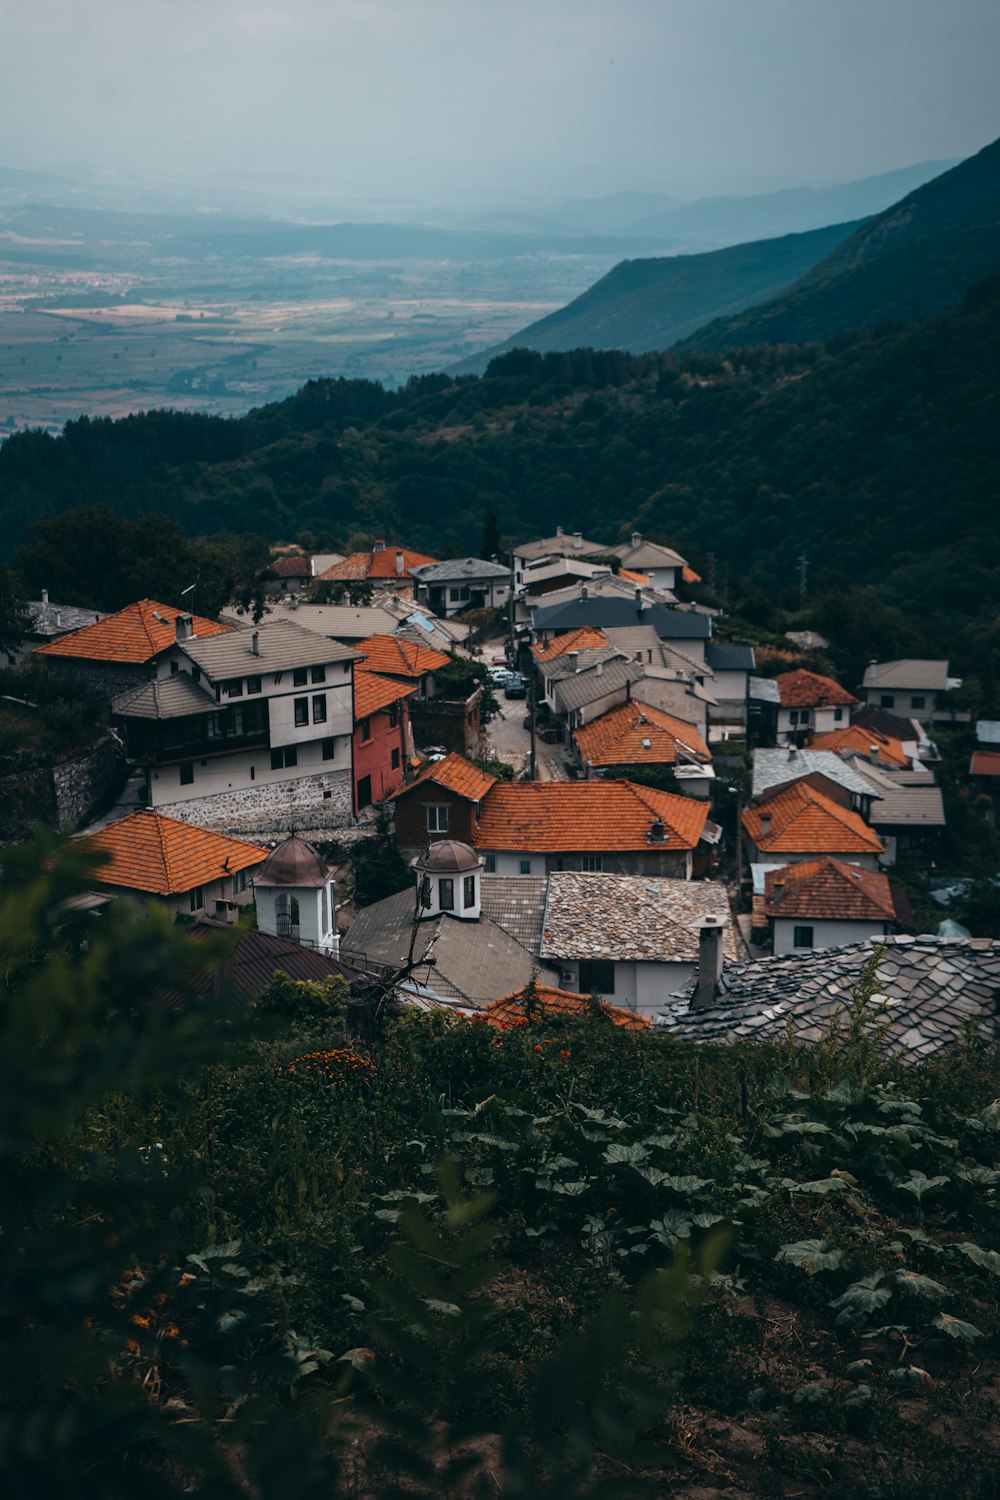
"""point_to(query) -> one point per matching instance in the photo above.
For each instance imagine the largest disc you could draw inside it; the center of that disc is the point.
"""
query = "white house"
(824, 903)
(911, 688)
(810, 704)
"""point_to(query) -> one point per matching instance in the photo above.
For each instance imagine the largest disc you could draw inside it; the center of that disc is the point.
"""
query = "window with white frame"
(437, 817)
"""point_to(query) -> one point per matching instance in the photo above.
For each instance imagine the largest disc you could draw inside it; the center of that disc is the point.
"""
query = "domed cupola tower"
(295, 897)
(449, 878)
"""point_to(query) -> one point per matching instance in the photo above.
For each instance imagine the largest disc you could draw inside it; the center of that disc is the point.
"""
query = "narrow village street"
(510, 741)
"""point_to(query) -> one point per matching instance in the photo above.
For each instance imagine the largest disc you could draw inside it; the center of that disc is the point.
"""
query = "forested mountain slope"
(876, 457)
(910, 262)
(651, 303)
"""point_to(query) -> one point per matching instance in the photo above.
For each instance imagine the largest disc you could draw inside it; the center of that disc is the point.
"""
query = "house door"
(364, 792)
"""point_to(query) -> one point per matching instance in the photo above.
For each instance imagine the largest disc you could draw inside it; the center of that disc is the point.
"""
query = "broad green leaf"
(920, 1185)
(821, 1186)
(989, 1260)
(956, 1328)
(921, 1286)
(862, 1298)
(811, 1256)
(628, 1155)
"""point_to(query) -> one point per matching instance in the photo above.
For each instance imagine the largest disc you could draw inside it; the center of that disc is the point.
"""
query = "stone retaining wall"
(64, 795)
(321, 802)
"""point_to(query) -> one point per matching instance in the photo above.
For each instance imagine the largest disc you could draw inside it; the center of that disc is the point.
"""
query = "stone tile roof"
(630, 917)
(911, 673)
(509, 1012)
(458, 570)
(455, 774)
(398, 657)
(372, 693)
(828, 890)
(131, 636)
(282, 645)
(292, 565)
(636, 733)
(473, 962)
(593, 683)
(764, 689)
(564, 817)
(586, 638)
(176, 697)
(162, 856)
(563, 544)
(560, 666)
(58, 619)
(854, 739)
(517, 904)
(804, 689)
(380, 563)
(804, 821)
(933, 990)
(772, 768)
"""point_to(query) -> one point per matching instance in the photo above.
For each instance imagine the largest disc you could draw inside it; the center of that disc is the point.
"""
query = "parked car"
(499, 675)
(433, 752)
(499, 660)
(515, 687)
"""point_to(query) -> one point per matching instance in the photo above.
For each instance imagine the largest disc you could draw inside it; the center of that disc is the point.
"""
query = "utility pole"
(711, 571)
(531, 711)
(803, 579)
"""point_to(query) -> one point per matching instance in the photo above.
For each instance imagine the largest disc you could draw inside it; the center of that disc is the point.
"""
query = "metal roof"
(282, 645)
(910, 672)
(176, 697)
(670, 624)
(591, 685)
(730, 656)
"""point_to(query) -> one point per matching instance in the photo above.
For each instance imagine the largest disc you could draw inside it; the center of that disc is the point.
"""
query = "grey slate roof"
(908, 799)
(473, 961)
(730, 656)
(283, 644)
(459, 570)
(765, 690)
(630, 917)
(608, 610)
(647, 555)
(773, 768)
(341, 622)
(517, 904)
(564, 544)
(555, 668)
(578, 690)
(175, 697)
(933, 990)
(910, 672)
(51, 620)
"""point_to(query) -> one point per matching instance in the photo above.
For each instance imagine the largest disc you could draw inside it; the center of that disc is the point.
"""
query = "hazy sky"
(500, 97)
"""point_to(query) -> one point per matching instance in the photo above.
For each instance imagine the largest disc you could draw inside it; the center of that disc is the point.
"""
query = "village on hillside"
(553, 769)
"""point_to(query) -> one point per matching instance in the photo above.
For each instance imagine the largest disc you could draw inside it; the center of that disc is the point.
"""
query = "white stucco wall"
(639, 986)
(761, 857)
(820, 721)
(227, 773)
(825, 934)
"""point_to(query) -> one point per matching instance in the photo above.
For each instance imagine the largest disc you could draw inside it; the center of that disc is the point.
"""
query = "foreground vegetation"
(258, 1254)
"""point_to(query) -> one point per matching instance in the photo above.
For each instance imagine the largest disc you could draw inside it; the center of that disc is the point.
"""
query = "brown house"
(443, 803)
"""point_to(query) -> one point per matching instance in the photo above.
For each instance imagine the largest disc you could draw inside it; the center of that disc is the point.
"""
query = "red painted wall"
(373, 757)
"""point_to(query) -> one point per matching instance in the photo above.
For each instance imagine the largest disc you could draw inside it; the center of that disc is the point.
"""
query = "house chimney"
(792, 752)
(638, 596)
(378, 546)
(578, 540)
(183, 627)
(58, 619)
(574, 660)
(657, 831)
(599, 669)
(710, 931)
(765, 823)
(636, 538)
(583, 591)
(45, 596)
(559, 531)
(400, 561)
(255, 642)
(873, 752)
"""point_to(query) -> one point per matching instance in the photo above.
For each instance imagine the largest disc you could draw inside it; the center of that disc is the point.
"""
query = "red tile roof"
(165, 857)
(587, 638)
(372, 693)
(378, 564)
(689, 575)
(457, 775)
(508, 1013)
(641, 578)
(828, 890)
(396, 657)
(563, 817)
(985, 763)
(805, 689)
(618, 738)
(854, 739)
(132, 635)
(804, 821)
(292, 565)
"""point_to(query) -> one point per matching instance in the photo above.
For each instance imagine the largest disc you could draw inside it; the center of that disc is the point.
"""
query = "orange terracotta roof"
(395, 656)
(372, 693)
(618, 738)
(587, 638)
(854, 739)
(985, 763)
(630, 577)
(507, 1014)
(134, 634)
(379, 564)
(563, 817)
(165, 857)
(292, 565)
(829, 890)
(689, 575)
(804, 821)
(457, 775)
(804, 689)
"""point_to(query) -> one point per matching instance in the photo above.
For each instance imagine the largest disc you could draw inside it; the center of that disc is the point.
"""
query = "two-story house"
(450, 588)
(912, 689)
(563, 544)
(246, 728)
(381, 736)
(809, 704)
(123, 650)
(388, 566)
(798, 822)
(824, 903)
(637, 734)
(663, 566)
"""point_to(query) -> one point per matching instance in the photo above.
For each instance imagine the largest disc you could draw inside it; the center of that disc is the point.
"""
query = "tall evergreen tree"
(491, 532)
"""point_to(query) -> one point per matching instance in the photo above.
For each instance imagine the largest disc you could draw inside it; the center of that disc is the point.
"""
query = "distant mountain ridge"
(908, 263)
(641, 305)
